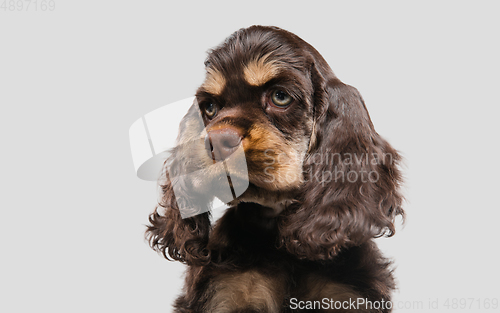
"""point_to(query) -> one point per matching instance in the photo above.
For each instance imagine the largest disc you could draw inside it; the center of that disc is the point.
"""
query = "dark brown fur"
(306, 238)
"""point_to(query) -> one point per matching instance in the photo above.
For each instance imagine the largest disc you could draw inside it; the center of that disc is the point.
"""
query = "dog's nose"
(221, 143)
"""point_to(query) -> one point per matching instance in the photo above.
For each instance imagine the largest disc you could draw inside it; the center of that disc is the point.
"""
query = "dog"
(322, 183)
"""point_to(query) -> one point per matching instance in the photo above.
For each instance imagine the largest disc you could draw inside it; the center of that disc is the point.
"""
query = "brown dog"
(322, 184)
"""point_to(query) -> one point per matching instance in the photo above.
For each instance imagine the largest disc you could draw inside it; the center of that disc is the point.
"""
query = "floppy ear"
(180, 224)
(351, 177)
(176, 238)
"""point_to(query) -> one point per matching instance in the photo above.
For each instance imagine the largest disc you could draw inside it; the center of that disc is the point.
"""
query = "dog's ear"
(176, 238)
(352, 176)
(180, 224)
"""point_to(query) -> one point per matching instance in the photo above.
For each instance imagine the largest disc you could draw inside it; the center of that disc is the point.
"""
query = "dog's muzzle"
(221, 143)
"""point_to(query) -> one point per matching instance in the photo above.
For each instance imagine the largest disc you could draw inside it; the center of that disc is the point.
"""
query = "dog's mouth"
(274, 201)
(244, 168)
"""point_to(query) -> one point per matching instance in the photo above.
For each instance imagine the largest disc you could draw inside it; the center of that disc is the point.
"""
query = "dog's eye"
(210, 110)
(280, 98)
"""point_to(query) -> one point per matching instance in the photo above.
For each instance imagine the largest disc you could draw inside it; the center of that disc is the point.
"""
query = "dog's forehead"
(255, 71)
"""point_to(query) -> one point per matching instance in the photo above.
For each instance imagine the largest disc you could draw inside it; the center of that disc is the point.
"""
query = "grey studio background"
(73, 80)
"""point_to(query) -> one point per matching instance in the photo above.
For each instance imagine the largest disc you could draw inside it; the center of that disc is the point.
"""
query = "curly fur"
(308, 237)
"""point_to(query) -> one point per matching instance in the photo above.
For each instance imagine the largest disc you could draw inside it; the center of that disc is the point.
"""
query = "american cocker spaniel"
(321, 184)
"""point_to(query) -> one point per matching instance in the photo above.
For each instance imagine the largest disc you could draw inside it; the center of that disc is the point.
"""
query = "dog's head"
(312, 154)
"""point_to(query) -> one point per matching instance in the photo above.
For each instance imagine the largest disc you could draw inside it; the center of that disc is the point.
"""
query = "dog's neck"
(275, 208)
(275, 201)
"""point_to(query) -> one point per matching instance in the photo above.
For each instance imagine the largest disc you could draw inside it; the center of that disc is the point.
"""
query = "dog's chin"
(275, 200)
(229, 179)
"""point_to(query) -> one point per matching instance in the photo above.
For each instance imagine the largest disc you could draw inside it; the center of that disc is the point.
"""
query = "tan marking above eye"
(214, 82)
(260, 70)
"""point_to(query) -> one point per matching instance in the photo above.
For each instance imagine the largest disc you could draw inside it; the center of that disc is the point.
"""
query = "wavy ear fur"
(177, 238)
(352, 176)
